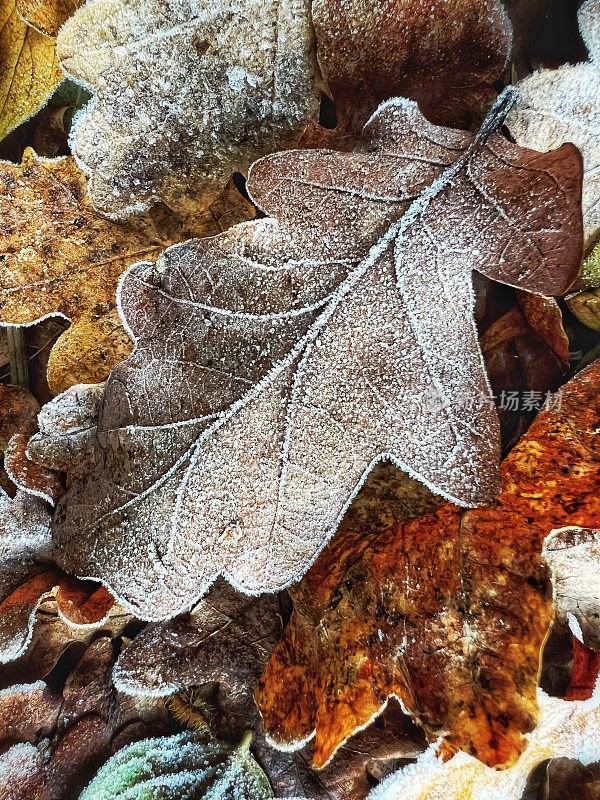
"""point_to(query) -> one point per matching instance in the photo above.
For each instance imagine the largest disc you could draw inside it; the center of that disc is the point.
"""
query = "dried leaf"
(275, 364)
(563, 105)
(567, 729)
(62, 257)
(47, 16)
(18, 421)
(236, 82)
(586, 307)
(28, 712)
(183, 766)
(584, 676)
(449, 611)
(564, 779)
(573, 555)
(29, 68)
(27, 577)
(446, 56)
(93, 723)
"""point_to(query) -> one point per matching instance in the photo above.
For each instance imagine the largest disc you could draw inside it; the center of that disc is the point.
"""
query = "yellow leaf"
(47, 16)
(29, 69)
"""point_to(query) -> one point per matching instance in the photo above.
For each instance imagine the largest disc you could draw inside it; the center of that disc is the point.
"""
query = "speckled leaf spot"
(276, 363)
(563, 105)
(238, 79)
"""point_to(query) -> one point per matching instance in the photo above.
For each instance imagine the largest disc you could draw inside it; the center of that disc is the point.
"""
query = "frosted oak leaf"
(276, 363)
(563, 105)
(236, 79)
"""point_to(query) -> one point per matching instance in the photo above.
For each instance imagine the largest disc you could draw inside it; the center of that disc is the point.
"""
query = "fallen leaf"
(236, 82)
(562, 105)
(584, 676)
(276, 363)
(18, 421)
(573, 555)
(586, 307)
(29, 68)
(28, 713)
(62, 257)
(446, 56)
(47, 16)
(27, 577)
(94, 722)
(566, 729)
(526, 354)
(564, 779)
(449, 611)
(185, 766)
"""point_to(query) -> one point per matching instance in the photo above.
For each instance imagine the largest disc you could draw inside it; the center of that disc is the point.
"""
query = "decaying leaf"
(29, 68)
(183, 766)
(28, 577)
(563, 105)
(47, 16)
(94, 722)
(62, 257)
(228, 639)
(567, 729)
(18, 421)
(275, 364)
(448, 611)
(564, 779)
(237, 80)
(573, 555)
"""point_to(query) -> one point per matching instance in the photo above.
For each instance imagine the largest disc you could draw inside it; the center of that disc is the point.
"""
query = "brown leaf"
(28, 713)
(275, 364)
(28, 578)
(448, 611)
(93, 718)
(62, 257)
(446, 56)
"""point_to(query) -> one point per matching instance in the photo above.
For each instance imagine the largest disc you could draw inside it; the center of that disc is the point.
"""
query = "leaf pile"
(299, 455)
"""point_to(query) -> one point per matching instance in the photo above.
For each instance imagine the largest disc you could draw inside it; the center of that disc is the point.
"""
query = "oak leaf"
(444, 56)
(228, 639)
(237, 81)
(29, 68)
(276, 363)
(568, 729)
(448, 611)
(62, 257)
(563, 105)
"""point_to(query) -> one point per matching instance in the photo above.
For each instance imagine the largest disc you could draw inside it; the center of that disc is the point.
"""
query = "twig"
(19, 369)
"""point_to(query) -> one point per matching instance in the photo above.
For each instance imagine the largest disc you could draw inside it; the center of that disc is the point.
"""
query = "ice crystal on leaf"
(563, 105)
(186, 92)
(568, 729)
(276, 363)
